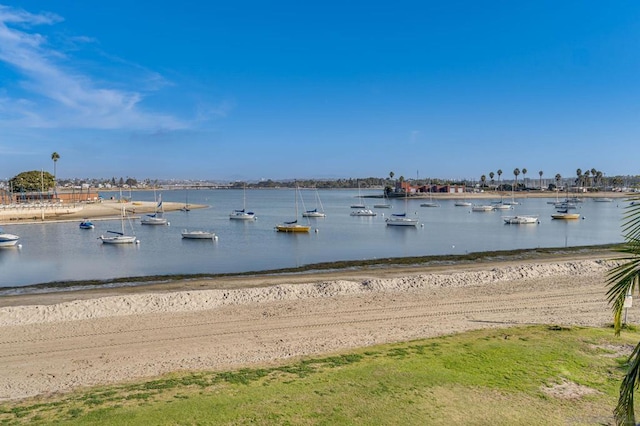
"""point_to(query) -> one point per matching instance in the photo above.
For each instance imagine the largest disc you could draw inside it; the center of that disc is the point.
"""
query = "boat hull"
(520, 220)
(120, 239)
(242, 216)
(313, 214)
(363, 213)
(402, 222)
(482, 208)
(565, 216)
(8, 240)
(198, 235)
(293, 228)
(153, 221)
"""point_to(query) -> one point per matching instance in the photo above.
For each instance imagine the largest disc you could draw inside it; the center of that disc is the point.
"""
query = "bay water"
(61, 252)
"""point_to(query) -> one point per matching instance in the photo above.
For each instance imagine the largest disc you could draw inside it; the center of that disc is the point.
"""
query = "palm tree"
(594, 174)
(524, 177)
(491, 175)
(483, 179)
(516, 172)
(623, 280)
(587, 181)
(541, 173)
(499, 172)
(55, 157)
(558, 177)
(579, 174)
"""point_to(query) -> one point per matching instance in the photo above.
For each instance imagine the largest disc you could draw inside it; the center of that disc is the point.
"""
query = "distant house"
(406, 187)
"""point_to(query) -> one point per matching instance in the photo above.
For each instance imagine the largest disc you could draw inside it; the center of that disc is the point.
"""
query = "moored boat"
(157, 218)
(363, 212)
(86, 224)
(293, 226)
(481, 208)
(8, 240)
(519, 220)
(565, 215)
(401, 220)
(198, 235)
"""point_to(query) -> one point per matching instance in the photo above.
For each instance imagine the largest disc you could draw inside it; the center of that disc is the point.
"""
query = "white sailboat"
(243, 214)
(8, 240)
(360, 204)
(119, 237)
(318, 211)
(293, 226)
(198, 235)
(186, 207)
(401, 219)
(157, 218)
(430, 203)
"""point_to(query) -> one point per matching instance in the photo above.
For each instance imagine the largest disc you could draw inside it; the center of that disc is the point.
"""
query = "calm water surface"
(63, 252)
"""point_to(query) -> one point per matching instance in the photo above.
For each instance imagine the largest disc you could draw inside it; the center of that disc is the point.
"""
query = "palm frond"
(624, 411)
(622, 280)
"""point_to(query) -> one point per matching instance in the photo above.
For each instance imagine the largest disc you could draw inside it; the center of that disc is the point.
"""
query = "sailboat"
(157, 218)
(318, 211)
(186, 207)
(385, 204)
(119, 237)
(430, 203)
(463, 203)
(401, 219)
(8, 240)
(293, 226)
(243, 214)
(361, 204)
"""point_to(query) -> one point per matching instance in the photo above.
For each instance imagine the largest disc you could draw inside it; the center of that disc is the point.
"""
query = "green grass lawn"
(488, 377)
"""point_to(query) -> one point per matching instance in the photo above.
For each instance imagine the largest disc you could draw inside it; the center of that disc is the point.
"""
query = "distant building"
(406, 187)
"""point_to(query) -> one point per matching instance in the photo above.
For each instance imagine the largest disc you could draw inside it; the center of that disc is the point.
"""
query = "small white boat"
(119, 237)
(463, 204)
(198, 235)
(501, 206)
(520, 220)
(313, 213)
(157, 218)
(603, 200)
(318, 211)
(430, 204)
(363, 212)
(360, 204)
(8, 240)
(481, 208)
(152, 219)
(243, 214)
(401, 220)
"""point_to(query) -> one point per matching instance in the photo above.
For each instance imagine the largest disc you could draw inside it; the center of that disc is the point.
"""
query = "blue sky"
(332, 89)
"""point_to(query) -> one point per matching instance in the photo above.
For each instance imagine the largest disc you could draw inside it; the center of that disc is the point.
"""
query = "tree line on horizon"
(39, 180)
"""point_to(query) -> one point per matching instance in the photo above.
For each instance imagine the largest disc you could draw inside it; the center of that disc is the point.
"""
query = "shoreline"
(115, 335)
(44, 292)
(104, 210)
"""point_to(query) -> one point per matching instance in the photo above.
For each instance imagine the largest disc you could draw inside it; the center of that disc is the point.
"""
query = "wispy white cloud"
(53, 93)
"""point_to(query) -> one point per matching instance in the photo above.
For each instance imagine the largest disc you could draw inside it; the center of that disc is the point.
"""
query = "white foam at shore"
(189, 301)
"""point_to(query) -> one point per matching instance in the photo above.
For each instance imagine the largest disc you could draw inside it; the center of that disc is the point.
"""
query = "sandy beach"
(62, 341)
